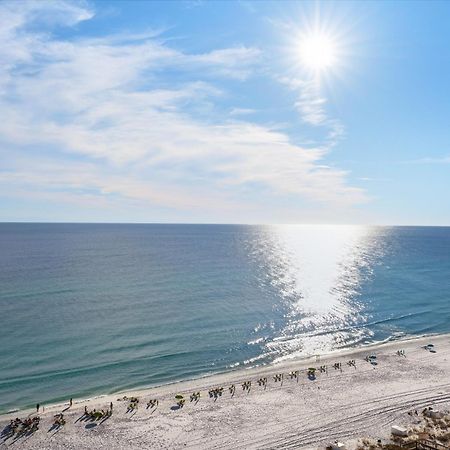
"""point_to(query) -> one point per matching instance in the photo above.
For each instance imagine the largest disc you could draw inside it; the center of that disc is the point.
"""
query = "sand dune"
(344, 405)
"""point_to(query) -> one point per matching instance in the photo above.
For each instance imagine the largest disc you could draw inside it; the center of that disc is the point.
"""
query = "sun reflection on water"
(317, 272)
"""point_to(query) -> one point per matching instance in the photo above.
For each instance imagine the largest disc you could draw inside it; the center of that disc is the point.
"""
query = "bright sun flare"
(317, 52)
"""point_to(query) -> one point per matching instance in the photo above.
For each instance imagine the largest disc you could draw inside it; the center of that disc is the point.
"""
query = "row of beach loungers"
(217, 392)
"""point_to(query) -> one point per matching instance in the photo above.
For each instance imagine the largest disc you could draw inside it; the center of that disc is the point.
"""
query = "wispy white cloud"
(241, 111)
(310, 102)
(233, 62)
(111, 126)
(311, 105)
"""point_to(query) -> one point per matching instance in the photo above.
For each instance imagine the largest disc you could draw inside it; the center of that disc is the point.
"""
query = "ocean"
(91, 309)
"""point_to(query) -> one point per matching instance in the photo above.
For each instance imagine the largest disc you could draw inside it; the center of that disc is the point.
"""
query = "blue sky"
(198, 111)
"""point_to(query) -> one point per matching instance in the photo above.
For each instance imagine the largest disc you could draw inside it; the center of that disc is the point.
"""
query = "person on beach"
(70, 402)
(37, 407)
(85, 409)
(111, 406)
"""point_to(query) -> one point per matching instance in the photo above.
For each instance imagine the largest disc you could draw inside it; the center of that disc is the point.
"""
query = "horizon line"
(221, 223)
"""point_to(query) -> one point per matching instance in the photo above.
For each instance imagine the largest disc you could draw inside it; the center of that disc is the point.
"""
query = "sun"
(317, 51)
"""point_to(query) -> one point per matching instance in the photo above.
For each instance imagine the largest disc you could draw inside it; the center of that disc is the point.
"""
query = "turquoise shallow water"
(92, 309)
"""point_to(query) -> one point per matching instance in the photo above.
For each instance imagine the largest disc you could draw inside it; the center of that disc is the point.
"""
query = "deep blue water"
(92, 309)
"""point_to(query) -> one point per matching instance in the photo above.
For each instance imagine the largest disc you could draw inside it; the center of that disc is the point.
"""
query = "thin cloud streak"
(428, 160)
(311, 105)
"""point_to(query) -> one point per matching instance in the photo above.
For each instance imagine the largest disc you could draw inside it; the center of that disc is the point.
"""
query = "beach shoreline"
(238, 371)
(268, 417)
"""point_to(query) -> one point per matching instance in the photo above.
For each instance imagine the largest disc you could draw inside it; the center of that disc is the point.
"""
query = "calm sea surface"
(92, 309)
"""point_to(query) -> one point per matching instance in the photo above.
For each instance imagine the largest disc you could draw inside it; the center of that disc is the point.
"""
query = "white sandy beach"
(345, 405)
